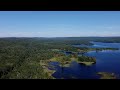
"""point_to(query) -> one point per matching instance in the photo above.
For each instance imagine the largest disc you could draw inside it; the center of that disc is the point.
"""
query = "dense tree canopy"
(20, 57)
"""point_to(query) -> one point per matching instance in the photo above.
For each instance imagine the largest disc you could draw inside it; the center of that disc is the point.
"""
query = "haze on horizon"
(59, 23)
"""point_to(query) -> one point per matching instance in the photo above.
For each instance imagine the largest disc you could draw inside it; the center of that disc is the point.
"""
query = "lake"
(100, 45)
(107, 61)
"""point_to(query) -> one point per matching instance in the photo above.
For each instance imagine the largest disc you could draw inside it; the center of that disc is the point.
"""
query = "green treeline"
(20, 57)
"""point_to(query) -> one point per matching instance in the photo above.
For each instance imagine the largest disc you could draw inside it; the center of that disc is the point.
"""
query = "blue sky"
(59, 23)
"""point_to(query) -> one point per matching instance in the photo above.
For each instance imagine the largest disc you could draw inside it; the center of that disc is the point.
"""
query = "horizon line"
(59, 37)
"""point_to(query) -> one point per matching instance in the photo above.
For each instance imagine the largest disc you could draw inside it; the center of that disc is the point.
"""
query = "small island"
(106, 75)
(88, 61)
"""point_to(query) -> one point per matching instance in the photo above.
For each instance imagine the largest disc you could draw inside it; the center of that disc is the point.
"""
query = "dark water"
(75, 71)
(107, 61)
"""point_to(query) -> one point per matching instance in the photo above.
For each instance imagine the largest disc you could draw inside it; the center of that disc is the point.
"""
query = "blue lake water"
(107, 61)
(100, 45)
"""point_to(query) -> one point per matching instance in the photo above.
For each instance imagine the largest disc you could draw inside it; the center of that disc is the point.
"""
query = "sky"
(59, 23)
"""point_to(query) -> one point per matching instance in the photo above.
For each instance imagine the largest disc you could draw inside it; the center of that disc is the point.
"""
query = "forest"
(20, 57)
